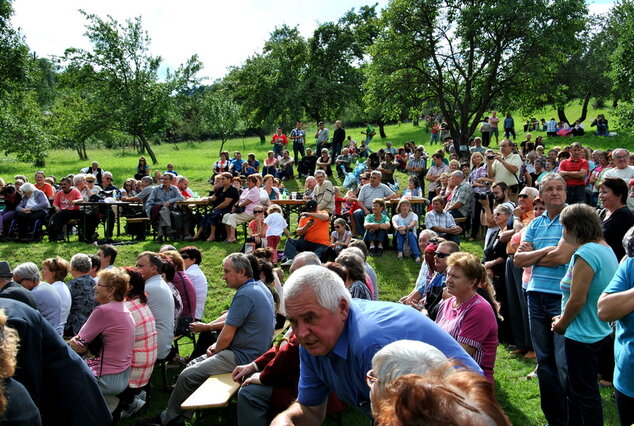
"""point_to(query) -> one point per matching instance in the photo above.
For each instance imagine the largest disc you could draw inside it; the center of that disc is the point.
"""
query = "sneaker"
(142, 395)
(133, 408)
(288, 262)
(379, 251)
(372, 250)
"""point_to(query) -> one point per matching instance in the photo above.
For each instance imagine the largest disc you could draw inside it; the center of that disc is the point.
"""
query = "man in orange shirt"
(313, 230)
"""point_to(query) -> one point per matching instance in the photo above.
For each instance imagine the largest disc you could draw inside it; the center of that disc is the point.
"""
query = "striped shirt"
(145, 343)
(544, 232)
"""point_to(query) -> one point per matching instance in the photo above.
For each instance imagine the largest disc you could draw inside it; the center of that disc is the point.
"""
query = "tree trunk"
(222, 145)
(561, 113)
(382, 128)
(145, 144)
(615, 103)
(40, 162)
(260, 133)
(584, 107)
(415, 122)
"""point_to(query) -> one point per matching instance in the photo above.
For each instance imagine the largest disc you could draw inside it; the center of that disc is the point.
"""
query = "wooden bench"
(68, 226)
(142, 220)
(218, 389)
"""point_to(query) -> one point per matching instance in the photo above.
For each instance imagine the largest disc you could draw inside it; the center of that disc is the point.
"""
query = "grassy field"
(519, 397)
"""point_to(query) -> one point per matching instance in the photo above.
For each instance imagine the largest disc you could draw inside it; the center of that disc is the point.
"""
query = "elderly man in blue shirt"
(338, 338)
(160, 202)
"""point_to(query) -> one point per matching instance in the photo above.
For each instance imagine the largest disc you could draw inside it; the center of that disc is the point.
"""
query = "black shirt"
(222, 194)
(615, 227)
(338, 136)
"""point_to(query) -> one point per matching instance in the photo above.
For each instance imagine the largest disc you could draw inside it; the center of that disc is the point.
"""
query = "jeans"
(298, 148)
(297, 246)
(508, 132)
(6, 217)
(411, 239)
(575, 194)
(278, 149)
(584, 399)
(253, 405)
(359, 219)
(377, 236)
(549, 348)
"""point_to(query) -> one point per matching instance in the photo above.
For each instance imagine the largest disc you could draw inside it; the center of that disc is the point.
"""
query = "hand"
(76, 346)
(166, 204)
(517, 212)
(498, 157)
(241, 371)
(489, 265)
(456, 230)
(484, 202)
(254, 379)
(211, 350)
(557, 325)
(524, 247)
(197, 327)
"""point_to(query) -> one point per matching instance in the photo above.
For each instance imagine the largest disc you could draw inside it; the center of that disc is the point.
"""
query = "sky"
(221, 33)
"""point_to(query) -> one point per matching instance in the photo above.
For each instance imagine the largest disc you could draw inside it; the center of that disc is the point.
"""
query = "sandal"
(417, 260)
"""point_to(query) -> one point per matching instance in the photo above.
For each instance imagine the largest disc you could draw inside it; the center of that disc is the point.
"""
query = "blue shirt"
(624, 344)
(369, 327)
(587, 327)
(252, 312)
(543, 232)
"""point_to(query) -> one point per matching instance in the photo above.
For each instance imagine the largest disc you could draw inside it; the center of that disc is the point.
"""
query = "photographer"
(499, 195)
(313, 230)
(505, 167)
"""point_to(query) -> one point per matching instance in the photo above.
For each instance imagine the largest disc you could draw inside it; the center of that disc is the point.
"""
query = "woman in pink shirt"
(468, 316)
(113, 321)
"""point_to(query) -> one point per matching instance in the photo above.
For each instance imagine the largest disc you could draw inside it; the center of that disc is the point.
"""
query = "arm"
(510, 167)
(576, 175)
(299, 414)
(224, 204)
(559, 256)
(224, 340)
(614, 306)
(582, 278)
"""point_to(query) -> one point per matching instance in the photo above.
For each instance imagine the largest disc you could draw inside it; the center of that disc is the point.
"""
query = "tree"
(621, 34)
(463, 55)
(221, 116)
(125, 80)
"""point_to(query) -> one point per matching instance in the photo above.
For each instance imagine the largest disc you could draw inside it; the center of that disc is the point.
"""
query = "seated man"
(65, 209)
(441, 221)
(160, 203)
(313, 230)
(345, 160)
(138, 229)
(307, 164)
(245, 334)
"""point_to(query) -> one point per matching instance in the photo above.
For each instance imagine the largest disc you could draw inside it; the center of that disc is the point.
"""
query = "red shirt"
(65, 201)
(574, 166)
(279, 139)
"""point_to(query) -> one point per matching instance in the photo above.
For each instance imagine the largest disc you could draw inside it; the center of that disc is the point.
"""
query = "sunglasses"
(441, 255)
(523, 196)
(257, 211)
(90, 181)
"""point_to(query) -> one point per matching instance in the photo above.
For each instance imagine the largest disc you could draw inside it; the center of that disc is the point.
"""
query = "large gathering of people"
(552, 283)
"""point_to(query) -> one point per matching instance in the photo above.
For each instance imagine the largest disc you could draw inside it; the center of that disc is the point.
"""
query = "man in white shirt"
(192, 257)
(159, 299)
(622, 170)
(505, 167)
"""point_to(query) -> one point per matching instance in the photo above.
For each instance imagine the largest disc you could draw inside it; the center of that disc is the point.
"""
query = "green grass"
(519, 398)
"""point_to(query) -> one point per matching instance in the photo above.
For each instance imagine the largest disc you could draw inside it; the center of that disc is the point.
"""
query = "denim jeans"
(278, 149)
(359, 219)
(549, 348)
(584, 399)
(411, 239)
(377, 236)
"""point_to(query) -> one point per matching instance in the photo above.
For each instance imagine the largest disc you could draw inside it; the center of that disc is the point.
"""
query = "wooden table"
(290, 206)
(118, 205)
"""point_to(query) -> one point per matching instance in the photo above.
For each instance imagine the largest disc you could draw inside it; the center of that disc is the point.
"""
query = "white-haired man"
(622, 170)
(338, 338)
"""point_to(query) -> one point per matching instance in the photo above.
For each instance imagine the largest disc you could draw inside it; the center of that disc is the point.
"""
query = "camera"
(484, 196)
(490, 157)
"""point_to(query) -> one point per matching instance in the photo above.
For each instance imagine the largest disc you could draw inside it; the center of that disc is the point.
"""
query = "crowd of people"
(552, 282)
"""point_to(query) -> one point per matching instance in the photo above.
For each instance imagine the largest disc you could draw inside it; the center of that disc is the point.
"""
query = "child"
(349, 207)
(339, 200)
(376, 226)
(257, 231)
(339, 239)
(276, 226)
(414, 191)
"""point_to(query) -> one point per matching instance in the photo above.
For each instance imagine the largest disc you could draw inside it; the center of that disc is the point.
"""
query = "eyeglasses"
(257, 211)
(523, 196)
(90, 181)
(370, 379)
(185, 256)
(441, 255)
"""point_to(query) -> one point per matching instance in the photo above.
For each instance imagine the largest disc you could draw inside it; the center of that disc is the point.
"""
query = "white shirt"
(626, 174)
(276, 225)
(161, 303)
(199, 280)
(65, 301)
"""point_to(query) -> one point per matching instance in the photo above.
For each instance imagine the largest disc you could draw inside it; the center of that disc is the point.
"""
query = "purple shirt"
(473, 323)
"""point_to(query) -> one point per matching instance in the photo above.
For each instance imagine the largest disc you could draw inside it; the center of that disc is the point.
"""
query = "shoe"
(372, 250)
(159, 239)
(142, 395)
(188, 238)
(287, 262)
(182, 360)
(399, 256)
(379, 251)
(532, 375)
(530, 355)
(417, 260)
(136, 405)
(150, 421)
(472, 239)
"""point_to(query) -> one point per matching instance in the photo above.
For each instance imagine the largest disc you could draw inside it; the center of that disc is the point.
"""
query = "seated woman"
(223, 164)
(405, 223)
(324, 162)
(251, 166)
(129, 188)
(145, 344)
(269, 191)
(184, 286)
(349, 267)
(142, 169)
(243, 210)
(270, 164)
(113, 321)
(256, 231)
(373, 162)
(466, 315)
(285, 165)
(12, 199)
(376, 225)
(32, 208)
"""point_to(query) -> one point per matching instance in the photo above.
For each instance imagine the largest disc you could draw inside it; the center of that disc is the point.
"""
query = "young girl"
(339, 239)
(339, 200)
(276, 226)
(349, 207)
(405, 223)
(376, 226)
(257, 231)
(414, 191)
